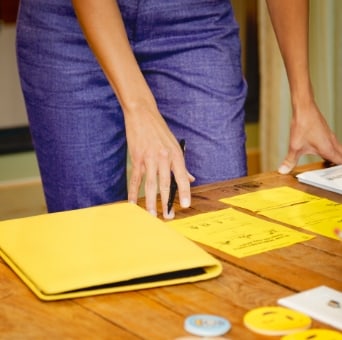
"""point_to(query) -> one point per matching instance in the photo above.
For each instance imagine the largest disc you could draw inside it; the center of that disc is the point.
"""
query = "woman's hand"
(154, 153)
(310, 134)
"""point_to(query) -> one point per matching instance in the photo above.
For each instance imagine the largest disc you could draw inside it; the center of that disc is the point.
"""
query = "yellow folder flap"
(101, 249)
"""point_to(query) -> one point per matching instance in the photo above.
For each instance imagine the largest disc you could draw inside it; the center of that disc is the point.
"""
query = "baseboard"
(16, 139)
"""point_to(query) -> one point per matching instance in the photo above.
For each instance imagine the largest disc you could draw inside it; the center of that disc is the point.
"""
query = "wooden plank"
(160, 312)
(299, 269)
(23, 316)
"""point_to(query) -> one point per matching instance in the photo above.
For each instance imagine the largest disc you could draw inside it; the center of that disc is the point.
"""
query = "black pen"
(173, 183)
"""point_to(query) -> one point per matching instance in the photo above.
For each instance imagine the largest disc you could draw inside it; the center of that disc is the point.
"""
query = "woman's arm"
(310, 133)
(153, 149)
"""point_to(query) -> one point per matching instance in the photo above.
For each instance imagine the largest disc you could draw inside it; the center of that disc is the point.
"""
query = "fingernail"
(185, 203)
(283, 169)
(170, 215)
(152, 212)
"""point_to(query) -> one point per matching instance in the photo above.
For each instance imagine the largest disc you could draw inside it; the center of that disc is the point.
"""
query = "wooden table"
(159, 313)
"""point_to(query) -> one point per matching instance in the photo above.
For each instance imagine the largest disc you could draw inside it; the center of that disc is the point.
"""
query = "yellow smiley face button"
(276, 320)
(314, 334)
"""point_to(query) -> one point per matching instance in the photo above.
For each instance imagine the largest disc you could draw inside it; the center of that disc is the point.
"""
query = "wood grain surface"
(159, 313)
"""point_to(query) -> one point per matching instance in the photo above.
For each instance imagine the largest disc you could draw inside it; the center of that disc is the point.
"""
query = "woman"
(98, 76)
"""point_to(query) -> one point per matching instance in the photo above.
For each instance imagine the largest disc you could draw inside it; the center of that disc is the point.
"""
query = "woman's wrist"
(302, 96)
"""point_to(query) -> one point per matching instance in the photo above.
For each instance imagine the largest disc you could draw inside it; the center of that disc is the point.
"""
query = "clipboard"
(98, 250)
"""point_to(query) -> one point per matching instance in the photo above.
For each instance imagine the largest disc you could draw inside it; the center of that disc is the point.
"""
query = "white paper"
(327, 179)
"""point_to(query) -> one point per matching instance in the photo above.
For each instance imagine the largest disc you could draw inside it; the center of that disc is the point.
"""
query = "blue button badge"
(206, 325)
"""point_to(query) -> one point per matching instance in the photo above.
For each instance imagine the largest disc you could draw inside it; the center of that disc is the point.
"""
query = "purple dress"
(189, 53)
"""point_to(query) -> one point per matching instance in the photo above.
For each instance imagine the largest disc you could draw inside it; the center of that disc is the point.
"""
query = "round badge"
(206, 325)
(315, 334)
(276, 320)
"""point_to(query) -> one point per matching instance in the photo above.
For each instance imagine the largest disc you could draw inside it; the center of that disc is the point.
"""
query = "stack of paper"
(327, 179)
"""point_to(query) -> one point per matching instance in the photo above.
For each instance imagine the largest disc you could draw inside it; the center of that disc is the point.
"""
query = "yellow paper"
(293, 207)
(269, 199)
(236, 233)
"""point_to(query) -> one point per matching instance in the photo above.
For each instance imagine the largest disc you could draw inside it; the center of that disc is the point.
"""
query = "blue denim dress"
(189, 53)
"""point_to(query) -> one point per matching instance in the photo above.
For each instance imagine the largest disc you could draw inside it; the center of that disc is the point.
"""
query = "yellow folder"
(97, 250)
